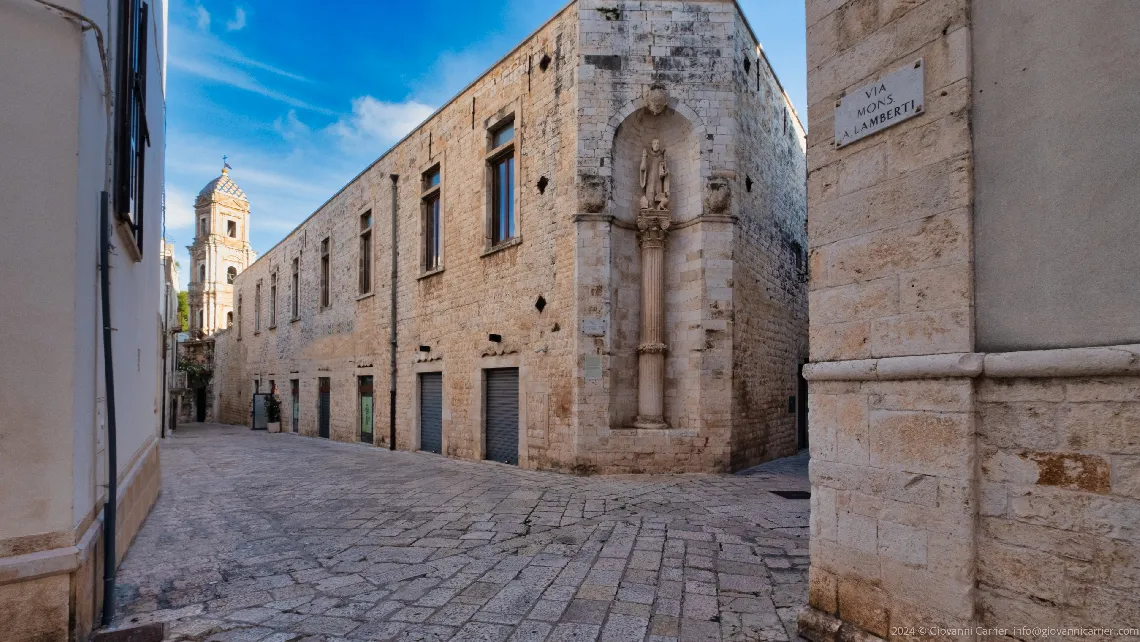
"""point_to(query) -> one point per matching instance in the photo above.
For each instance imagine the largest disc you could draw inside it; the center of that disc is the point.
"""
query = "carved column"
(654, 227)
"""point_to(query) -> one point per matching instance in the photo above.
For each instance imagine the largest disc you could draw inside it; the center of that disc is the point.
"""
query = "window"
(229, 319)
(231, 274)
(433, 245)
(366, 252)
(201, 319)
(132, 136)
(239, 317)
(295, 293)
(501, 160)
(201, 272)
(273, 300)
(325, 299)
(231, 229)
(202, 226)
(257, 308)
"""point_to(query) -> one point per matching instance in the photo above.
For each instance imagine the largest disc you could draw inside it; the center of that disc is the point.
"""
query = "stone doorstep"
(817, 626)
(153, 632)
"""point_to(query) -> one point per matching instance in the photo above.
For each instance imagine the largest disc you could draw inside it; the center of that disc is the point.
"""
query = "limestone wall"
(693, 53)
(951, 488)
(451, 311)
(582, 126)
(769, 259)
(1059, 514)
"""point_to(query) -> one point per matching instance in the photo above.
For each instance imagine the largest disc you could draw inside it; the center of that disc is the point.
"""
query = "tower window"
(201, 272)
(231, 274)
(231, 229)
(229, 319)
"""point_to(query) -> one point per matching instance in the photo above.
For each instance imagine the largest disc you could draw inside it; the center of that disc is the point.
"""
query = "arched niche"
(681, 134)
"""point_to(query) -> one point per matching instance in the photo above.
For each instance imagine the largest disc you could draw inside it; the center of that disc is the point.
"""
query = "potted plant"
(273, 413)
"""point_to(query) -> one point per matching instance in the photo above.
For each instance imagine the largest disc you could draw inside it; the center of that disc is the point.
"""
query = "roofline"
(515, 49)
(417, 128)
(768, 63)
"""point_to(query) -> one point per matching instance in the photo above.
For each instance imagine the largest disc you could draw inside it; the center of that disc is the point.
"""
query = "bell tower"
(220, 252)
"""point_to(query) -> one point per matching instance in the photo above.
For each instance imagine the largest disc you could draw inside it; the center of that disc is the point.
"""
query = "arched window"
(229, 319)
(202, 273)
(201, 319)
(231, 274)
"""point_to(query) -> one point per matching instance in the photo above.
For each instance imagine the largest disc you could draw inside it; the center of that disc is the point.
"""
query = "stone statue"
(654, 178)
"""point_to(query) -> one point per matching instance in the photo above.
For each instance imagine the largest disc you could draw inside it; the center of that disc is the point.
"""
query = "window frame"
(230, 223)
(325, 290)
(257, 307)
(494, 240)
(431, 221)
(295, 294)
(273, 299)
(132, 134)
(366, 256)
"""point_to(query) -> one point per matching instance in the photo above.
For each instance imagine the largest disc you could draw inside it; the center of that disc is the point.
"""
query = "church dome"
(223, 185)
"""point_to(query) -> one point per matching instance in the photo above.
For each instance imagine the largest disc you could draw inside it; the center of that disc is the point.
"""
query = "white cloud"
(376, 121)
(203, 18)
(238, 22)
(290, 127)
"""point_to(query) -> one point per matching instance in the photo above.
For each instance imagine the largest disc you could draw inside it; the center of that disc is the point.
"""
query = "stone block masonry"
(951, 488)
(617, 76)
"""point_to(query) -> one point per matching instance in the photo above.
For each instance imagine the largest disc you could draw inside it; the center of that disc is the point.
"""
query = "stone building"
(81, 259)
(220, 252)
(599, 267)
(975, 319)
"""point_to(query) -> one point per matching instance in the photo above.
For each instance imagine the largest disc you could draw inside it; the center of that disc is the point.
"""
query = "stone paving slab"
(279, 538)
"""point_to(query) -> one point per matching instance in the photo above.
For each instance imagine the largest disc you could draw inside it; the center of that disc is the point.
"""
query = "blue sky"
(304, 95)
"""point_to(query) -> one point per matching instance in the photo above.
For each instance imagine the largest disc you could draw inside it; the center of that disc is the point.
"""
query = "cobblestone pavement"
(280, 538)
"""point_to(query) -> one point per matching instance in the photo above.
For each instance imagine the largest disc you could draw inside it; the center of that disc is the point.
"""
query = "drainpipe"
(392, 330)
(111, 503)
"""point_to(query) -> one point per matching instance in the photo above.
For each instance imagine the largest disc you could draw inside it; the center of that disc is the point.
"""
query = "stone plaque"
(594, 327)
(892, 99)
(593, 368)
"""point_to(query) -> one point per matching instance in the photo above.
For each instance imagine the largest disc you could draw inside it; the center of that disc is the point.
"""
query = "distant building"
(81, 125)
(599, 263)
(220, 252)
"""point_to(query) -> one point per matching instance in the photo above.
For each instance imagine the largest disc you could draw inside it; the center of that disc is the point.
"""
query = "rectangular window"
(433, 239)
(325, 294)
(365, 386)
(273, 300)
(132, 136)
(231, 229)
(202, 226)
(366, 252)
(257, 308)
(295, 293)
(501, 160)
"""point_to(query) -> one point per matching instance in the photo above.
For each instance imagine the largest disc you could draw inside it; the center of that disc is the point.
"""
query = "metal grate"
(503, 415)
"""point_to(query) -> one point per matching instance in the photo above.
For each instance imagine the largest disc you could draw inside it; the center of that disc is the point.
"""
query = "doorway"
(200, 405)
(324, 386)
(502, 418)
(364, 386)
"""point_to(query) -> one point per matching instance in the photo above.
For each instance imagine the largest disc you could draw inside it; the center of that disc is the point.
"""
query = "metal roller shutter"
(431, 412)
(503, 415)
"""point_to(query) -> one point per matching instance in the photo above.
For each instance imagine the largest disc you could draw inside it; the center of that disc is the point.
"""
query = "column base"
(650, 423)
